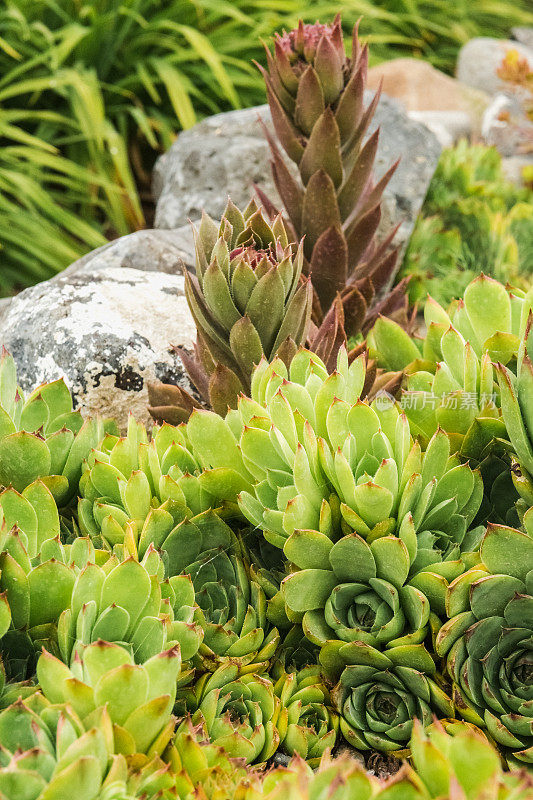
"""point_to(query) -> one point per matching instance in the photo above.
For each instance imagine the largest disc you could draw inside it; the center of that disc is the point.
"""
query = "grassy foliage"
(91, 92)
(473, 220)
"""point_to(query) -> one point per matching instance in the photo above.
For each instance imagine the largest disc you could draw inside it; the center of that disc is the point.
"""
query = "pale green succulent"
(46, 753)
(450, 380)
(37, 575)
(154, 617)
(202, 769)
(135, 482)
(326, 462)
(307, 723)
(41, 436)
(139, 698)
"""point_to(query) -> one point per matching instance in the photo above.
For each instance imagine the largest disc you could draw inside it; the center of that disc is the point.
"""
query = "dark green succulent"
(488, 641)
(379, 695)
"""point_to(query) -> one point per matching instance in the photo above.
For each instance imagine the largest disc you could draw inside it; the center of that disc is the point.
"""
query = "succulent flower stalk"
(316, 98)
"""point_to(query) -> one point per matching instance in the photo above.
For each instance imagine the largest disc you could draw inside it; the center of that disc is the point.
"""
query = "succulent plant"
(46, 753)
(153, 780)
(306, 723)
(138, 698)
(456, 760)
(36, 590)
(454, 756)
(487, 640)
(343, 778)
(450, 379)
(149, 486)
(203, 770)
(247, 301)
(103, 607)
(238, 712)
(379, 694)
(327, 462)
(315, 93)
(354, 591)
(516, 404)
(231, 607)
(41, 436)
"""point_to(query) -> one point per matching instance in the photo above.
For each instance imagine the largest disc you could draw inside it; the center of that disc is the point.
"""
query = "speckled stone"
(150, 250)
(225, 155)
(107, 333)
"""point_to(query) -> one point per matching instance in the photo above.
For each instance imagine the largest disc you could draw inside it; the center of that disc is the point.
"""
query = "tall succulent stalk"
(316, 94)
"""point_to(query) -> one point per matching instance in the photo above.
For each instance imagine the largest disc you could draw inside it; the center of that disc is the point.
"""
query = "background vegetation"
(92, 92)
(473, 220)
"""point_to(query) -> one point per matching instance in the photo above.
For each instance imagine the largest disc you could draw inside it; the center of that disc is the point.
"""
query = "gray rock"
(480, 58)
(448, 126)
(506, 126)
(151, 251)
(107, 333)
(226, 154)
(524, 36)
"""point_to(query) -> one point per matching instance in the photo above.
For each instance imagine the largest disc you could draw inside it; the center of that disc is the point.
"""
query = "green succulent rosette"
(379, 694)
(354, 591)
(231, 607)
(237, 712)
(144, 485)
(455, 755)
(326, 461)
(37, 575)
(488, 641)
(139, 698)
(208, 586)
(307, 723)
(202, 768)
(343, 775)
(154, 617)
(41, 436)
(46, 753)
(450, 380)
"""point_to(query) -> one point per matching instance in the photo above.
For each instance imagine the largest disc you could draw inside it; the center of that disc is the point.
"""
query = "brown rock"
(421, 87)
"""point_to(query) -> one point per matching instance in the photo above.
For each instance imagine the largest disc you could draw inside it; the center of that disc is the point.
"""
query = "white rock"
(480, 58)
(507, 127)
(107, 334)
